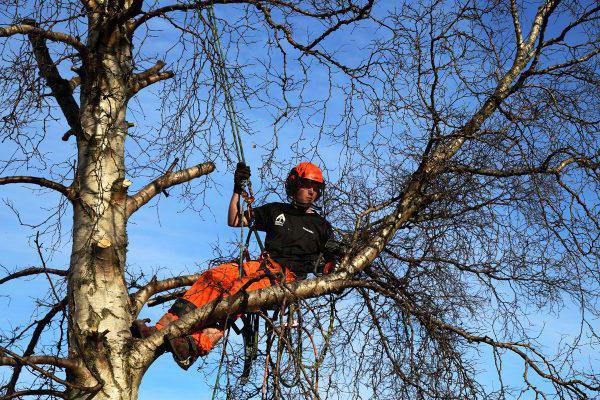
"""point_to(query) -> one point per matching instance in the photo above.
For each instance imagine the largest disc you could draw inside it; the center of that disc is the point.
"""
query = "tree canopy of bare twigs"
(467, 144)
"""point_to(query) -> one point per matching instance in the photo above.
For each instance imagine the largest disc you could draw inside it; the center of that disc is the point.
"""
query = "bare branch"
(308, 49)
(62, 89)
(585, 17)
(516, 347)
(144, 351)
(567, 64)
(28, 28)
(148, 77)
(35, 392)
(139, 298)
(170, 179)
(41, 324)
(33, 271)
(65, 190)
(34, 361)
(199, 5)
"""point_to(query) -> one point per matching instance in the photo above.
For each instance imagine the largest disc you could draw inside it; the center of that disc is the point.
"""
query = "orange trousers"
(223, 281)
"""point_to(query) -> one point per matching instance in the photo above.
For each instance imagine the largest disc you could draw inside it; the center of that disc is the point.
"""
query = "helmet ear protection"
(304, 173)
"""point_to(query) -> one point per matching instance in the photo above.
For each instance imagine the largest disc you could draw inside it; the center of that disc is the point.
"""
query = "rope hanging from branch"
(222, 76)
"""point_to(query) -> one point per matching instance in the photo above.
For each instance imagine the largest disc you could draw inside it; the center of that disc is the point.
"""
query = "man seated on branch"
(296, 240)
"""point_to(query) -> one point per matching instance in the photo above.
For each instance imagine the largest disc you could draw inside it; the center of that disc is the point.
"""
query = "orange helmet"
(304, 172)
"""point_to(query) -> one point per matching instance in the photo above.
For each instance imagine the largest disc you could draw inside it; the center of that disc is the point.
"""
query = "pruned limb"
(28, 28)
(65, 190)
(33, 271)
(74, 82)
(169, 179)
(40, 325)
(139, 298)
(62, 89)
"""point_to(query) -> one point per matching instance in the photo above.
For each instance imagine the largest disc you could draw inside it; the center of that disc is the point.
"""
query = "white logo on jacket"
(280, 220)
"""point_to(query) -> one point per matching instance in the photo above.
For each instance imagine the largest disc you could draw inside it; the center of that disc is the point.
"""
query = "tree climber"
(296, 238)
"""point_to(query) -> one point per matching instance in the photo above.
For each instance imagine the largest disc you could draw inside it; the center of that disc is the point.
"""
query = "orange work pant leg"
(224, 280)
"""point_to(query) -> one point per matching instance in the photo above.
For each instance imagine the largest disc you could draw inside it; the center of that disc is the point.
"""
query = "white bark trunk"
(99, 307)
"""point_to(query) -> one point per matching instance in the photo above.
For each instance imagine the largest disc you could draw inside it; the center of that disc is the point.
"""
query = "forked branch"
(61, 89)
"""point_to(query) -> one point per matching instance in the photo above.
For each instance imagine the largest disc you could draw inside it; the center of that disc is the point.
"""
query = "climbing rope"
(223, 78)
(226, 84)
(250, 331)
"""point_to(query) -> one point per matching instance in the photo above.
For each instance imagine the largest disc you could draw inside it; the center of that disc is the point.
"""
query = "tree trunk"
(99, 306)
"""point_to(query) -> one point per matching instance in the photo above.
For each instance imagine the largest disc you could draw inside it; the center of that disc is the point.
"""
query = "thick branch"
(148, 77)
(139, 298)
(62, 89)
(35, 392)
(170, 179)
(33, 271)
(28, 28)
(65, 190)
(33, 361)
(144, 351)
(158, 300)
(504, 173)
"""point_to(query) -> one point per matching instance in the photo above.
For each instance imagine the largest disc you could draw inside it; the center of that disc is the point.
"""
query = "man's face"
(308, 192)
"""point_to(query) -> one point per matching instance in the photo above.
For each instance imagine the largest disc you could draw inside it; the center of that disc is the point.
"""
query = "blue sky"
(168, 239)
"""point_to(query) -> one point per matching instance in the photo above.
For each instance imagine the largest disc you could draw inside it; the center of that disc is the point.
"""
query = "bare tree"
(471, 205)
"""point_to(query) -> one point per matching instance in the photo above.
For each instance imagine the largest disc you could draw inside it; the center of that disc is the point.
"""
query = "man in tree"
(296, 237)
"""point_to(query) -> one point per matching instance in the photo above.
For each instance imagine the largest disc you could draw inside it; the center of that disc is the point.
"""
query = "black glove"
(241, 174)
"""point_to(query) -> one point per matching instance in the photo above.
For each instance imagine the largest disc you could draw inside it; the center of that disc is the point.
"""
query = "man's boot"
(184, 349)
